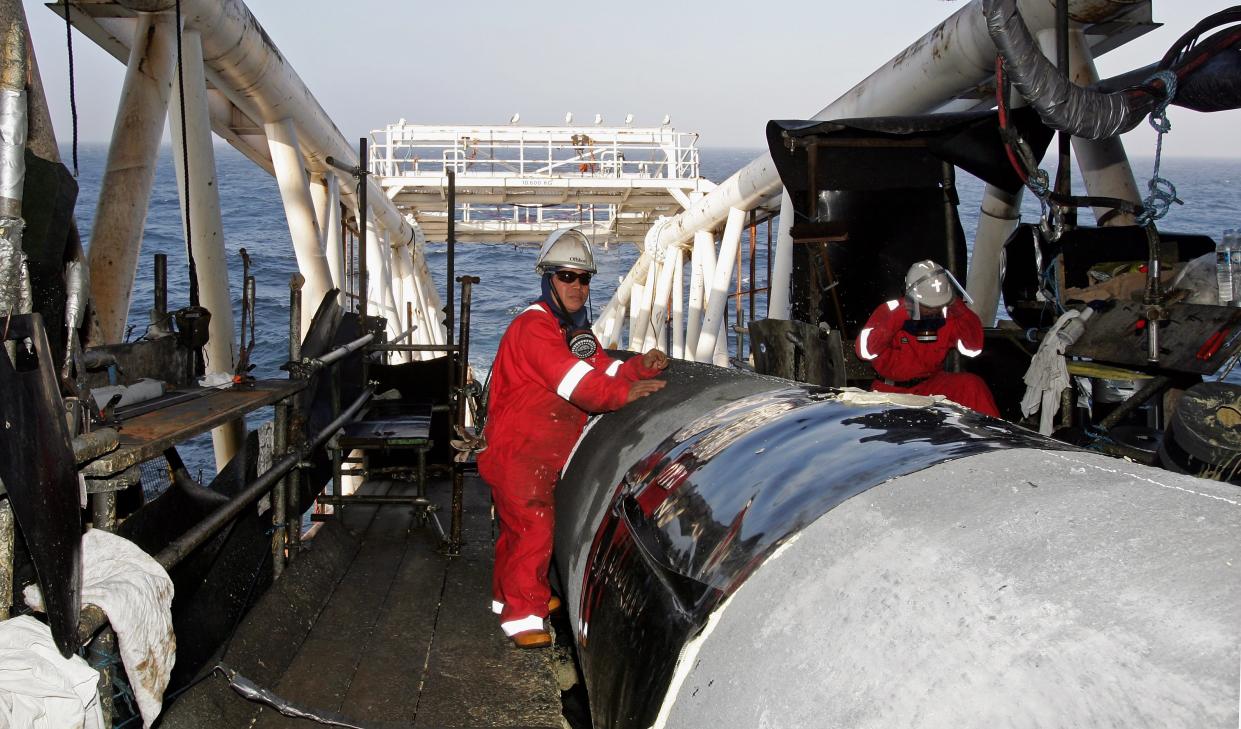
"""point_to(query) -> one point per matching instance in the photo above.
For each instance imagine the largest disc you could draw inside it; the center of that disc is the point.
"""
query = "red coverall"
(540, 396)
(905, 364)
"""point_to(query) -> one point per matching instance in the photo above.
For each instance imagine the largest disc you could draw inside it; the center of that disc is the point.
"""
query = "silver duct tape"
(1062, 104)
(12, 143)
(14, 276)
(76, 279)
(25, 300)
(10, 264)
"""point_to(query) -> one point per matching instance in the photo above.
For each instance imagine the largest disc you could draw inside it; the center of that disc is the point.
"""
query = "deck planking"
(407, 637)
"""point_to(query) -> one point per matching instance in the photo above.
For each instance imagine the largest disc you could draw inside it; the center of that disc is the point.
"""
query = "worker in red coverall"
(906, 341)
(549, 373)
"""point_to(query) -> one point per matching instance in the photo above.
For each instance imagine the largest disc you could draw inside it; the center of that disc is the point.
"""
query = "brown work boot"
(553, 604)
(532, 639)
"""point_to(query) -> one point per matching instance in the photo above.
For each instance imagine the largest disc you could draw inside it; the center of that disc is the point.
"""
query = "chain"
(1161, 192)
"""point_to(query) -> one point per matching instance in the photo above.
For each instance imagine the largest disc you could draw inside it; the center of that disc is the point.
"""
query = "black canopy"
(900, 151)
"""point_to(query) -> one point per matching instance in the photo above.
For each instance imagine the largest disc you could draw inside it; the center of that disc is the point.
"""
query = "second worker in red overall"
(549, 373)
(906, 341)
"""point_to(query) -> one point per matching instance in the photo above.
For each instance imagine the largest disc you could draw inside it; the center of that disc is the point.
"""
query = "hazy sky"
(722, 69)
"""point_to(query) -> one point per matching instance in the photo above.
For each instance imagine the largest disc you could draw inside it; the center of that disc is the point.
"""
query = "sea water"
(254, 220)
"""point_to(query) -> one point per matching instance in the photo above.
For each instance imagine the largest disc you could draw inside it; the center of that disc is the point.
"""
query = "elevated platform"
(514, 184)
(374, 625)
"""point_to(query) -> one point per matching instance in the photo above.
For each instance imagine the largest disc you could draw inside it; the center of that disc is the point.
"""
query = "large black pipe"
(739, 550)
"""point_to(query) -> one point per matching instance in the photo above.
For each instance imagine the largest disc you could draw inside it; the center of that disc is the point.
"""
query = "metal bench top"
(386, 428)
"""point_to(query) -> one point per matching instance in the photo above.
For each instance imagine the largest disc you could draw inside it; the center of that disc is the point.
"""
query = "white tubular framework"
(250, 88)
(126, 188)
(205, 227)
(515, 184)
(943, 70)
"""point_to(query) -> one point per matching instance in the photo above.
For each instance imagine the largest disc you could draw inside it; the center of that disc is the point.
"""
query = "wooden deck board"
(475, 677)
(407, 638)
(386, 686)
(325, 666)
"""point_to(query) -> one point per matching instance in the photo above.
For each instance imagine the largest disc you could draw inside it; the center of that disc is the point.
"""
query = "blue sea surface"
(254, 220)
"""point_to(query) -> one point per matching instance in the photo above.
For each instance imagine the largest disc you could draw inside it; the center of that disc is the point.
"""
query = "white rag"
(136, 594)
(39, 688)
(1048, 374)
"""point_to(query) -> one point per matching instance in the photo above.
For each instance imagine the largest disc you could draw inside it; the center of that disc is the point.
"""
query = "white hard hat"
(565, 248)
(928, 284)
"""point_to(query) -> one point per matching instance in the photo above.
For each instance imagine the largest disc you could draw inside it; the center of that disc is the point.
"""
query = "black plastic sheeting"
(969, 140)
(694, 517)
(37, 467)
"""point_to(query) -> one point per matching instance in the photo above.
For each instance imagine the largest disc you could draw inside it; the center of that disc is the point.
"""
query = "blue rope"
(100, 660)
(1161, 192)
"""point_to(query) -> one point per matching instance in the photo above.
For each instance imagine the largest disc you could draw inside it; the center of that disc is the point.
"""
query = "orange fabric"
(530, 431)
(899, 356)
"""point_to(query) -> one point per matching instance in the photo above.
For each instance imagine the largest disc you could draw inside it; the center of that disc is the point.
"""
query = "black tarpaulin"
(900, 151)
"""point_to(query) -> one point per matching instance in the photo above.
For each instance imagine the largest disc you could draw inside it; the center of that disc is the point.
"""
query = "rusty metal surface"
(1112, 337)
(89, 446)
(119, 482)
(116, 460)
(147, 436)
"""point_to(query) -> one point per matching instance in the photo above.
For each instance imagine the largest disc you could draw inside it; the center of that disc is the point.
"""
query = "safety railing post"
(463, 355)
(296, 427)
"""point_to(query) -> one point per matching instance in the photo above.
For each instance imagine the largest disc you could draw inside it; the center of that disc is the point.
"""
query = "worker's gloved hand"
(655, 360)
(642, 388)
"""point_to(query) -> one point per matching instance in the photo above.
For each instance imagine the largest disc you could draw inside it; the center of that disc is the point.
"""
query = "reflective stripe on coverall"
(898, 355)
(539, 399)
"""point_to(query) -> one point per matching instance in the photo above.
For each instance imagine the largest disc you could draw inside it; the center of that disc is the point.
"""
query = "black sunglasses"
(571, 276)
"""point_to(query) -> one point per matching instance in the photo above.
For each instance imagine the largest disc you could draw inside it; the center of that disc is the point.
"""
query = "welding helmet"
(928, 284)
(565, 248)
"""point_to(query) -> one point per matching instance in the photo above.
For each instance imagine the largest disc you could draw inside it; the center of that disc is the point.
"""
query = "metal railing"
(403, 150)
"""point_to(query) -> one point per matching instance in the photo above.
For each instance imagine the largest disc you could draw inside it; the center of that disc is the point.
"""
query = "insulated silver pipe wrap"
(15, 295)
(12, 150)
(1062, 104)
(76, 280)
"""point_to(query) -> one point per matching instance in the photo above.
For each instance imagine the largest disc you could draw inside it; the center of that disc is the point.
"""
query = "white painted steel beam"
(395, 309)
(378, 283)
(116, 237)
(998, 217)
(253, 85)
(701, 273)
(779, 296)
(678, 305)
(657, 333)
(717, 298)
(205, 230)
(640, 323)
(254, 75)
(952, 58)
(333, 243)
(299, 211)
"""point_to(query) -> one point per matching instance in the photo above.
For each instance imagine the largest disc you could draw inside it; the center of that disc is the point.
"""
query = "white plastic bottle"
(1232, 238)
(1225, 251)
